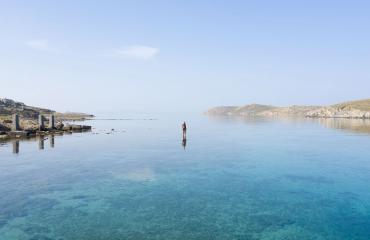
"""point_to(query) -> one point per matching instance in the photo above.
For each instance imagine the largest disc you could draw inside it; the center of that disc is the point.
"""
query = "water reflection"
(52, 141)
(41, 143)
(252, 186)
(352, 125)
(15, 146)
(241, 119)
(15, 143)
(184, 143)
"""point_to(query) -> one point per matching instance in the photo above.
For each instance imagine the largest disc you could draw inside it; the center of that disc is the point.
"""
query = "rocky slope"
(354, 109)
(9, 107)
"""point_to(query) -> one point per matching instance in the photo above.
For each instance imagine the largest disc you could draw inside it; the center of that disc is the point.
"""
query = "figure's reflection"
(52, 141)
(184, 143)
(15, 146)
(41, 143)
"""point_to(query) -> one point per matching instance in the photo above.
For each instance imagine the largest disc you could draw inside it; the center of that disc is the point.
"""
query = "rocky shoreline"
(332, 112)
(19, 121)
(60, 129)
(351, 110)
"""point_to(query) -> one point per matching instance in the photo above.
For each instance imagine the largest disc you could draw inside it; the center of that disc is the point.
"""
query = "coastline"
(349, 110)
(26, 128)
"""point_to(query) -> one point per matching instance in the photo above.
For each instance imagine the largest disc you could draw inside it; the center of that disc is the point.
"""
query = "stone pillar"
(16, 147)
(51, 121)
(41, 123)
(15, 125)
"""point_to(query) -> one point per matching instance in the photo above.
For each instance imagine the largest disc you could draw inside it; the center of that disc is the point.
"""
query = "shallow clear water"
(236, 179)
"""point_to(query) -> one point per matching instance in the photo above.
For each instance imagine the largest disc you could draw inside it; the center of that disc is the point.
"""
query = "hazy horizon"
(179, 57)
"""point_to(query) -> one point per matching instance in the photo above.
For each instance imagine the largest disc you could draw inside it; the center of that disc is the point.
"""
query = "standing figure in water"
(184, 130)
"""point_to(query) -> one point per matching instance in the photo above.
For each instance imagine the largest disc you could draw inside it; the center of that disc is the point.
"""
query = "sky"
(183, 56)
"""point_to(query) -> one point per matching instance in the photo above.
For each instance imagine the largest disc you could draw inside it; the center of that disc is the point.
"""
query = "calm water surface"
(234, 179)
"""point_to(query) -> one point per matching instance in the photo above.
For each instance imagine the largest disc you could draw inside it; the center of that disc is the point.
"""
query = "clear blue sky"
(183, 55)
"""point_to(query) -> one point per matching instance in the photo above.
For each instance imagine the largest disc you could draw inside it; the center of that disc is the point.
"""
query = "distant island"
(353, 109)
(32, 121)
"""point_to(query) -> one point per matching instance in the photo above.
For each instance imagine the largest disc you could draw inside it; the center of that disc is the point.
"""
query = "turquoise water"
(235, 179)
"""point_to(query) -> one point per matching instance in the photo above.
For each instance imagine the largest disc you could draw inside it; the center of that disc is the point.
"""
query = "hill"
(353, 109)
(9, 107)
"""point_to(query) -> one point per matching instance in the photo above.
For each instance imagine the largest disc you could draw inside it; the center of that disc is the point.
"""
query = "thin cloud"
(41, 45)
(137, 52)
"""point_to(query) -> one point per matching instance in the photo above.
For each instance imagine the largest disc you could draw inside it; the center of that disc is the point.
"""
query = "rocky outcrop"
(333, 112)
(354, 109)
(29, 118)
(9, 107)
(4, 128)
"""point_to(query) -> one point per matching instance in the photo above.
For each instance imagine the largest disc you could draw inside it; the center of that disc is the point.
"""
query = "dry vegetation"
(363, 105)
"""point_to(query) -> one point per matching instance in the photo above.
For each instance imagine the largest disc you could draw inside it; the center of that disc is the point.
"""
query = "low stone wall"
(16, 128)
